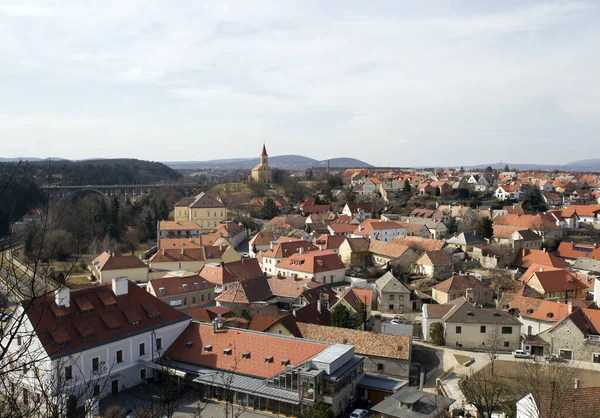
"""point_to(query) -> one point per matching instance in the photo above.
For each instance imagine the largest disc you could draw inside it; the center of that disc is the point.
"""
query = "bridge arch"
(70, 195)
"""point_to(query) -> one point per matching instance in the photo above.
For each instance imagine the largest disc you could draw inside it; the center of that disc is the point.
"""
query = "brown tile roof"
(330, 242)
(312, 262)
(421, 244)
(533, 222)
(355, 296)
(259, 345)
(206, 240)
(576, 250)
(287, 222)
(287, 286)
(534, 308)
(342, 228)
(574, 403)
(435, 259)
(224, 273)
(359, 245)
(286, 249)
(178, 226)
(263, 323)
(247, 291)
(115, 261)
(526, 257)
(310, 314)
(557, 280)
(371, 225)
(459, 283)
(385, 249)
(176, 285)
(189, 254)
(505, 231)
(412, 228)
(365, 206)
(262, 238)
(65, 330)
(228, 229)
(365, 343)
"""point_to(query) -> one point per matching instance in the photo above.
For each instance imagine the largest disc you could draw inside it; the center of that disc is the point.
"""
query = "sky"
(390, 82)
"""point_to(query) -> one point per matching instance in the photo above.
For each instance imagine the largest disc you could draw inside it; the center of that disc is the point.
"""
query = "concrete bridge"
(56, 193)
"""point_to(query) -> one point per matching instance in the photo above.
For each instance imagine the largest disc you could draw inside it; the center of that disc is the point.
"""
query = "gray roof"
(389, 283)
(587, 264)
(465, 313)
(529, 235)
(413, 403)
(382, 383)
(466, 238)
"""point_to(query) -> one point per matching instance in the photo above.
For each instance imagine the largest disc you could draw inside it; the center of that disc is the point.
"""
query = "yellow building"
(262, 172)
(203, 209)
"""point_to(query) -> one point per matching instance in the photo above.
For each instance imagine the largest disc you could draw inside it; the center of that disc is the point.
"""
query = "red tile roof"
(355, 296)
(92, 313)
(527, 257)
(259, 345)
(460, 283)
(115, 261)
(189, 254)
(576, 250)
(263, 323)
(312, 262)
(235, 271)
(175, 285)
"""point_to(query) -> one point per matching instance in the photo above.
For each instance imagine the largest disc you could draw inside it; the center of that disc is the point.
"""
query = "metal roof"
(332, 353)
(382, 383)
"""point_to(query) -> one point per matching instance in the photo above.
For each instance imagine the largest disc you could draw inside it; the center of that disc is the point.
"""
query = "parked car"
(521, 354)
(359, 413)
(554, 358)
(396, 321)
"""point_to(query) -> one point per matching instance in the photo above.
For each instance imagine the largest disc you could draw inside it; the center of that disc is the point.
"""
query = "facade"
(466, 286)
(358, 210)
(384, 231)
(383, 254)
(392, 295)
(203, 209)
(472, 328)
(354, 251)
(434, 264)
(191, 259)
(225, 275)
(182, 290)
(266, 372)
(89, 343)
(111, 265)
(261, 173)
(322, 266)
(178, 229)
(278, 251)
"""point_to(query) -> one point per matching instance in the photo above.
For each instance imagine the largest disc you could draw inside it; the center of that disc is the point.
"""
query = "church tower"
(264, 157)
(262, 172)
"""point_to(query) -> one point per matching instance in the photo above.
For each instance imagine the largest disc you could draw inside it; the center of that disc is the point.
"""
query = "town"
(321, 292)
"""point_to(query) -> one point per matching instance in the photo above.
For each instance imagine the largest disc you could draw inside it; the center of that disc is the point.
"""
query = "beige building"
(182, 290)
(392, 295)
(457, 286)
(112, 265)
(472, 328)
(192, 259)
(203, 209)
(262, 172)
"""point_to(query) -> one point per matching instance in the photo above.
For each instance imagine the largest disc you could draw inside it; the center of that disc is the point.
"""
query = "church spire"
(264, 151)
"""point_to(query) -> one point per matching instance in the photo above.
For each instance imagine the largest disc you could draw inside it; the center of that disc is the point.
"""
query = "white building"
(89, 343)
(323, 266)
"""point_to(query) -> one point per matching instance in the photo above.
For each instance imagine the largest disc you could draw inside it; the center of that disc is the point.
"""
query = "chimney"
(377, 323)
(221, 247)
(320, 247)
(544, 250)
(163, 251)
(569, 307)
(62, 297)
(112, 253)
(181, 250)
(271, 245)
(360, 227)
(319, 305)
(120, 286)
(523, 252)
(300, 250)
(577, 383)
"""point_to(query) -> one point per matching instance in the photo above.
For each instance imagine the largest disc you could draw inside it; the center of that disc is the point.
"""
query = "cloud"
(373, 81)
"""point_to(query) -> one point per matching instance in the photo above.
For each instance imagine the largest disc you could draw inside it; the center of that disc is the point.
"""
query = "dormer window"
(246, 355)
(161, 290)
(285, 362)
(197, 286)
(189, 344)
(269, 359)
(185, 287)
(208, 348)
(227, 351)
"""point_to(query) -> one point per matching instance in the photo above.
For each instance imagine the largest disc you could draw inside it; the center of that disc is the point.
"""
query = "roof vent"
(189, 344)
(285, 362)
(529, 311)
(208, 348)
(550, 315)
(246, 355)
(227, 351)
(268, 359)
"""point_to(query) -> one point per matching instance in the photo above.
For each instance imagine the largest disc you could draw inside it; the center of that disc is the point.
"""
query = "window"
(391, 307)
(458, 329)
(185, 287)
(391, 297)
(221, 214)
(208, 214)
(142, 349)
(566, 354)
(215, 214)
(193, 299)
(143, 374)
(507, 330)
(96, 390)
(68, 373)
(202, 298)
(506, 344)
(209, 296)
(162, 291)
(25, 397)
(159, 343)
(185, 301)
(401, 297)
(19, 340)
(482, 329)
(120, 356)
(596, 358)
(95, 364)
(379, 367)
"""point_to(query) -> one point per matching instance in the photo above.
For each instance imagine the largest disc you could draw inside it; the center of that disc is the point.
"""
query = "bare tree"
(484, 391)
(493, 344)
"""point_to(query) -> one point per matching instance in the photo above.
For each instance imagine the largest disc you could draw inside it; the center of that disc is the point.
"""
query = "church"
(262, 172)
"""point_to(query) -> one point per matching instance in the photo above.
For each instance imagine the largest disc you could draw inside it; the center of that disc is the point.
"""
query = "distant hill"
(288, 162)
(101, 171)
(592, 165)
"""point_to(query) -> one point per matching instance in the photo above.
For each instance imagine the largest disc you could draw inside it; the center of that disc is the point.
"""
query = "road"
(28, 284)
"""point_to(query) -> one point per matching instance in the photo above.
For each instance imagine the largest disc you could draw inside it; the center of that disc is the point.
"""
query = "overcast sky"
(389, 82)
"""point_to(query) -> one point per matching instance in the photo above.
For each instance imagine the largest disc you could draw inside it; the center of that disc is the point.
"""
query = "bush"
(437, 333)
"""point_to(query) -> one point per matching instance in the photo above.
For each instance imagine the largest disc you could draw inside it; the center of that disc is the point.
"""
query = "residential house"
(354, 251)
(369, 187)
(466, 241)
(341, 229)
(552, 199)
(434, 265)
(392, 295)
(385, 354)
(508, 192)
(420, 244)
(111, 265)
(330, 242)
(283, 225)
(400, 257)
(182, 290)
(438, 215)
(206, 240)
(554, 284)
(224, 275)
(577, 337)
(517, 237)
(358, 210)
(586, 213)
(416, 230)
(191, 259)
(278, 251)
(309, 207)
(571, 251)
(203, 209)
(433, 313)
(270, 373)
(353, 298)
(260, 242)
(426, 189)
(581, 403)
(467, 286)
(437, 228)
(322, 266)
(233, 232)
(545, 225)
(473, 328)
(413, 403)
(527, 257)
(384, 231)
(98, 340)
(285, 325)
(178, 229)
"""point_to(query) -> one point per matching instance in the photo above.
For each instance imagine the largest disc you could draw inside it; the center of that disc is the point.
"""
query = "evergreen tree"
(437, 191)
(114, 229)
(407, 186)
(485, 227)
(350, 196)
(343, 317)
(163, 211)
(269, 210)
(506, 168)
(317, 410)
